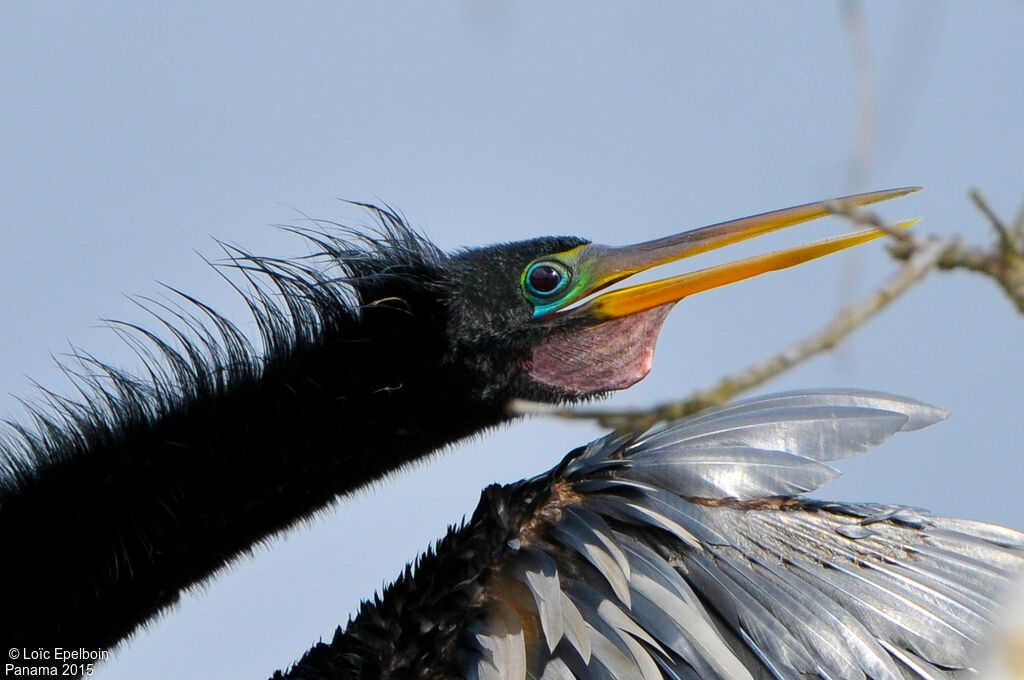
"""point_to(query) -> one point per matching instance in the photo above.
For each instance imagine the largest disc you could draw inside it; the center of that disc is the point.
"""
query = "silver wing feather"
(688, 552)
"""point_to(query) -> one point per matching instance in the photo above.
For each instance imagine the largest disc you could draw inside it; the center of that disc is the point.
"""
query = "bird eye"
(544, 279)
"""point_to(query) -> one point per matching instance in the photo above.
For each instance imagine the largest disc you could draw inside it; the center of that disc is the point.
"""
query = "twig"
(924, 257)
(1018, 224)
(865, 132)
(1007, 240)
(868, 218)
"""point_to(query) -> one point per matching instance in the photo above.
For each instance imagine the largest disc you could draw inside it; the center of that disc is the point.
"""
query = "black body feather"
(146, 485)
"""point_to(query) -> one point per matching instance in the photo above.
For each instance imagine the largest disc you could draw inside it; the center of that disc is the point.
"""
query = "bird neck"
(415, 627)
(114, 520)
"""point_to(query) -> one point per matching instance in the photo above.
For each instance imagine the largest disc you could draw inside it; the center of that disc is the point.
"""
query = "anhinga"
(685, 552)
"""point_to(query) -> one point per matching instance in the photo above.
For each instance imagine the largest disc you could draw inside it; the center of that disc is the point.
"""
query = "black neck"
(107, 526)
(417, 622)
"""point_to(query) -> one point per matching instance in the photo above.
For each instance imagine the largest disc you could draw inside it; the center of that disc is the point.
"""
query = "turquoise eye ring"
(545, 279)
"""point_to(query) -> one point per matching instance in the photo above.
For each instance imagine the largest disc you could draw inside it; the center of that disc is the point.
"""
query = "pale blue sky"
(131, 134)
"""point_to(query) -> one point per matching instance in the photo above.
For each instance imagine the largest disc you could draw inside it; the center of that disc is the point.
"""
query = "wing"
(689, 553)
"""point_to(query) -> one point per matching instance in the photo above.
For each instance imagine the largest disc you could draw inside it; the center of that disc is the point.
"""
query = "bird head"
(544, 319)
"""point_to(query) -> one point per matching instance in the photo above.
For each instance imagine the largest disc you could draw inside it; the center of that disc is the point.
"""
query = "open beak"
(601, 266)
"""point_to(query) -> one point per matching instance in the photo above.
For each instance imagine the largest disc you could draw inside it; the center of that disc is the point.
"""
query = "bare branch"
(920, 261)
(1006, 269)
(1004, 263)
